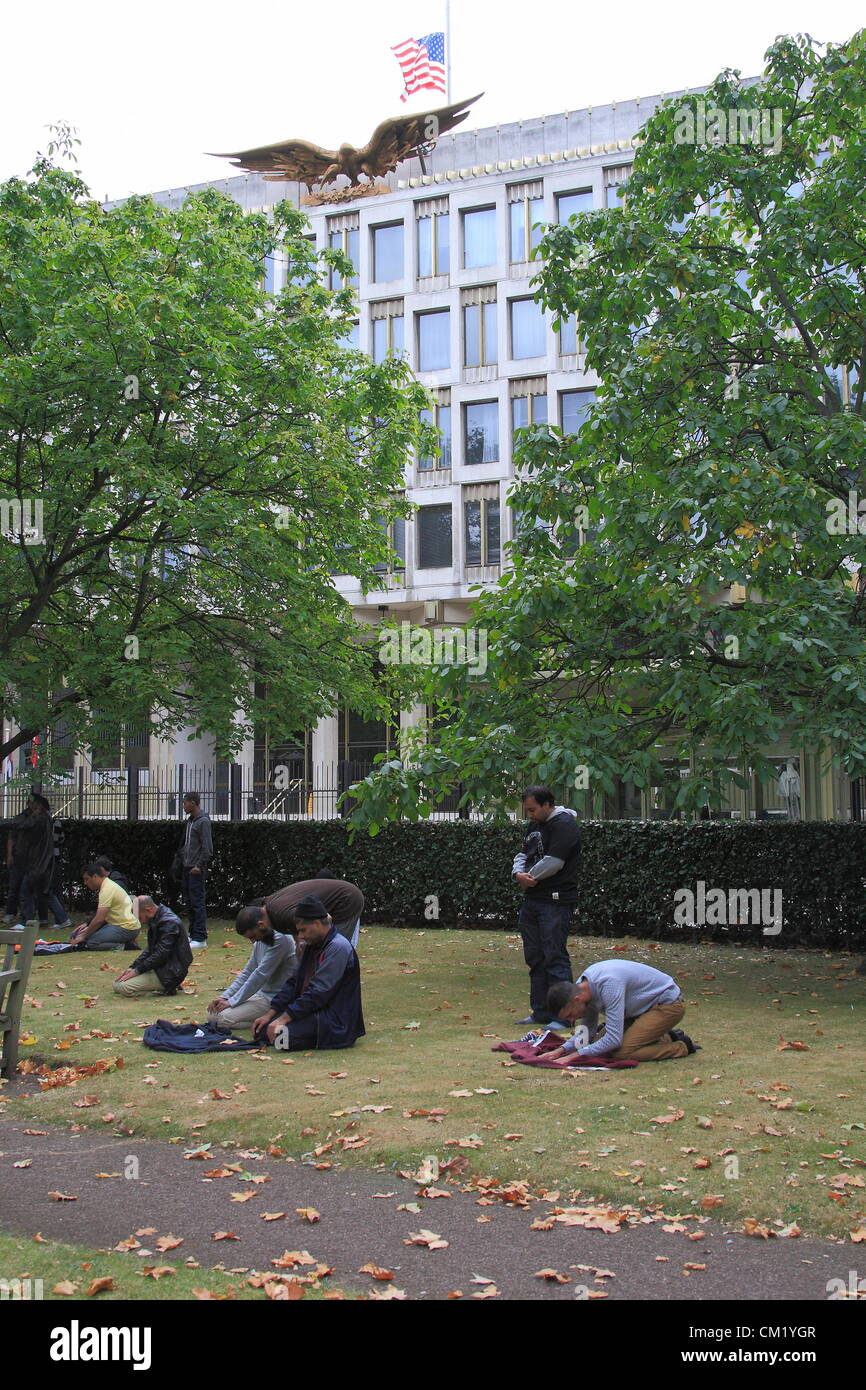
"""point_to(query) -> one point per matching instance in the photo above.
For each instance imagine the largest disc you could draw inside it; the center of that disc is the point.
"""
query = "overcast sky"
(152, 86)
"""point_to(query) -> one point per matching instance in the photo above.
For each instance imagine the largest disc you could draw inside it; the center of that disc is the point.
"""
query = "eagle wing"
(400, 136)
(293, 159)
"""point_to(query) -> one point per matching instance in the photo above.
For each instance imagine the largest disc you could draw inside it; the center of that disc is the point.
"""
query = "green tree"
(185, 460)
(684, 580)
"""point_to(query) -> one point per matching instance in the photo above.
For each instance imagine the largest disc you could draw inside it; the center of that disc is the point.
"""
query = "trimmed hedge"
(629, 871)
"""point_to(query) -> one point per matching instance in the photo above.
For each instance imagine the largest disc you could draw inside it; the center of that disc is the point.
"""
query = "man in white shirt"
(272, 962)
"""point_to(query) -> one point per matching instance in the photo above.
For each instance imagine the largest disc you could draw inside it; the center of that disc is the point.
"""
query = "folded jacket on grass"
(193, 1037)
(533, 1054)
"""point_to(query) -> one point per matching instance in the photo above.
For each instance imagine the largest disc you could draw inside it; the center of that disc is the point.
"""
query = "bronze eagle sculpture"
(397, 138)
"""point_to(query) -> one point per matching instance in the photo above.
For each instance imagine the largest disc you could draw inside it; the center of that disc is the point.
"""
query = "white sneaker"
(197, 945)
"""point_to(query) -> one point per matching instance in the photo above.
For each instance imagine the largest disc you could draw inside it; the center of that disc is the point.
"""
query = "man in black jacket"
(546, 870)
(163, 964)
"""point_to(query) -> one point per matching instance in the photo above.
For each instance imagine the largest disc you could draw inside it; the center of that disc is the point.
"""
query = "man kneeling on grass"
(640, 1007)
(272, 960)
(163, 964)
(114, 925)
(320, 1006)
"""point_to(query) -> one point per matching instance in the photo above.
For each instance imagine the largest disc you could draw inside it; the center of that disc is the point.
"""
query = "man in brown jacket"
(344, 901)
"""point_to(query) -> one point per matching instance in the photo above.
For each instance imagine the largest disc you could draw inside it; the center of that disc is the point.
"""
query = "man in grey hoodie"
(546, 870)
(196, 852)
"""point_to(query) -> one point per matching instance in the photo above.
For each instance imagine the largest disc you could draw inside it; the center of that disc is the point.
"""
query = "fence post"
(180, 776)
(132, 793)
(235, 772)
(81, 791)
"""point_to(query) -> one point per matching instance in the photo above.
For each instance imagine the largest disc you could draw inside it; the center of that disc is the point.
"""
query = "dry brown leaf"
(309, 1214)
(377, 1271)
(147, 1231)
(272, 1215)
(290, 1258)
(129, 1244)
(708, 1202)
(858, 1234)
(169, 1242)
(690, 1264)
(100, 1286)
(219, 1095)
(224, 1235)
(553, 1275)
(668, 1119)
(751, 1227)
(428, 1238)
(391, 1292)
(243, 1196)
(157, 1271)
(66, 1287)
(62, 1197)
(490, 1291)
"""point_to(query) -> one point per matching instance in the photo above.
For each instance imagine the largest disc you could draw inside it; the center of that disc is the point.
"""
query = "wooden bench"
(14, 970)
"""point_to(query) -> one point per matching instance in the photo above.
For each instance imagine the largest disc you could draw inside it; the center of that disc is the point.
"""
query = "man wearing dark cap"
(344, 902)
(320, 1006)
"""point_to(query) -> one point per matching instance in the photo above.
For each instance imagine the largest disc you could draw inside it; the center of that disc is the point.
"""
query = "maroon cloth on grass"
(534, 1056)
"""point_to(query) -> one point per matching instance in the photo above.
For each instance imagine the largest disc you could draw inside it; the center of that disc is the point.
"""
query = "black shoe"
(679, 1036)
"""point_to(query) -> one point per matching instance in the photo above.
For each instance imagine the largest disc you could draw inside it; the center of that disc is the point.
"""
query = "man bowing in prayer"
(320, 1006)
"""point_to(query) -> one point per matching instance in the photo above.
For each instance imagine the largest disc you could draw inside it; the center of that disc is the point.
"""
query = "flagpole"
(447, 51)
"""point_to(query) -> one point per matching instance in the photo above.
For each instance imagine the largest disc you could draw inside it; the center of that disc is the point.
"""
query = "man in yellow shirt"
(114, 923)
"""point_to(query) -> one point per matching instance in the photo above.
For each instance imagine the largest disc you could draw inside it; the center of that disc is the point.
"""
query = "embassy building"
(443, 276)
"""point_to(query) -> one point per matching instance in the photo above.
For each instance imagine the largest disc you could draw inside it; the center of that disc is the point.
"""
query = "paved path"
(493, 1241)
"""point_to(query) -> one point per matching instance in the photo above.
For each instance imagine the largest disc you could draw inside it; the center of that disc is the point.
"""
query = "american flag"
(422, 62)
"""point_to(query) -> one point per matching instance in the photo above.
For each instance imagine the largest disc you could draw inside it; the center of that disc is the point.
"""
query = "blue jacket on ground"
(326, 991)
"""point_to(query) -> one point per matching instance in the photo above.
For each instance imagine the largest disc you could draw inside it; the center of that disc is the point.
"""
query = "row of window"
(478, 239)
(527, 334)
(480, 421)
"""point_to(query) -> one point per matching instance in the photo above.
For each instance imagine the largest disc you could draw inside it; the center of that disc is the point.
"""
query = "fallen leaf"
(751, 1227)
(243, 1196)
(23, 1163)
(129, 1244)
(512, 1136)
(156, 1271)
(428, 1238)
(272, 1215)
(381, 1295)
(708, 1202)
(309, 1214)
(147, 1231)
(66, 1287)
(691, 1265)
(100, 1286)
(224, 1235)
(219, 1095)
(376, 1270)
(490, 1291)
(169, 1242)
(62, 1197)
(290, 1258)
(668, 1119)
(858, 1234)
(553, 1275)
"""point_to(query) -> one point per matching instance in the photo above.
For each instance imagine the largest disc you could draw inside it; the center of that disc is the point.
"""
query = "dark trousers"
(544, 929)
(193, 891)
(16, 878)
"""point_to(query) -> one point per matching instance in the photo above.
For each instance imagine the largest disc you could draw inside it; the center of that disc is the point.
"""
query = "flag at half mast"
(422, 62)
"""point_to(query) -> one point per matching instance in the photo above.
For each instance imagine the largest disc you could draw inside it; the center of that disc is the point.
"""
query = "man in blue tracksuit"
(546, 870)
(320, 1006)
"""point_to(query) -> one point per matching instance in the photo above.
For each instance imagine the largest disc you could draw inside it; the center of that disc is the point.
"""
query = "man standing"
(546, 870)
(114, 924)
(272, 961)
(640, 1007)
(33, 860)
(196, 852)
(344, 902)
(165, 961)
(320, 1006)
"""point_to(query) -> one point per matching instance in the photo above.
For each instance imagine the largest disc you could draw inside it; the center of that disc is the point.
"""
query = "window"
(613, 181)
(388, 340)
(567, 204)
(351, 338)
(440, 416)
(270, 284)
(528, 410)
(574, 408)
(479, 238)
(434, 340)
(433, 242)
(388, 252)
(525, 211)
(569, 340)
(479, 335)
(481, 520)
(528, 337)
(481, 422)
(348, 240)
(396, 533)
(434, 537)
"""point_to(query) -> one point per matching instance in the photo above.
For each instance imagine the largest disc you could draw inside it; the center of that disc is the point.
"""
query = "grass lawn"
(56, 1264)
(776, 1134)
